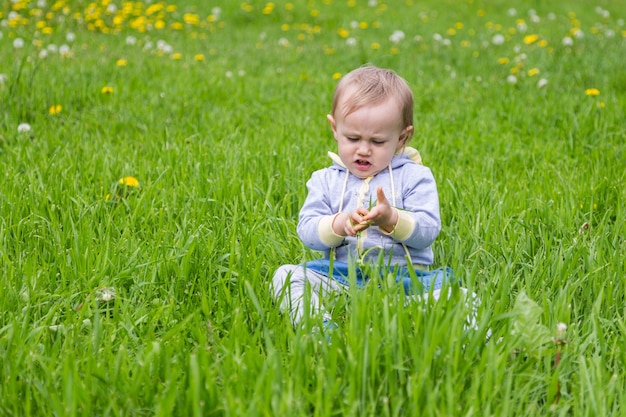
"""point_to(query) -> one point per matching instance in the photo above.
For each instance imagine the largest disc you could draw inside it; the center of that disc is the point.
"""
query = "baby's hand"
(355, 222)
(382, 214)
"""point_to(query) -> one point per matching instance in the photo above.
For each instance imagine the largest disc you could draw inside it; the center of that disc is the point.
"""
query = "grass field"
(154, 159)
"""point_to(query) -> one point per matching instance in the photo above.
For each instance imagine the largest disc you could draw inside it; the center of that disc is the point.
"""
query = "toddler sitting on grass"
(375, 205)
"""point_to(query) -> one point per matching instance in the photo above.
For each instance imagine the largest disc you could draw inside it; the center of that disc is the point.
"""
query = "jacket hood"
(408, 155)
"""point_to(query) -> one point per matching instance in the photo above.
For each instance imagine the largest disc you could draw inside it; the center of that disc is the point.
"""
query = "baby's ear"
(406, 134)
(331, 120)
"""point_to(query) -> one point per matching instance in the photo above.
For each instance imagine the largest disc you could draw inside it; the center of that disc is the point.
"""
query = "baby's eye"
(352, 139)
(378, 142)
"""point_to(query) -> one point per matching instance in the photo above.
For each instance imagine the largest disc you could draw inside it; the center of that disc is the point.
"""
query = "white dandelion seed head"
(262, 36)
(283, 42)
(216, 11)
(397, 36)
(111, 8)
(229, 74)
(417, 38)
(372, 3)
(52, 48)
(522, 26)
(106, 294)
(542, 83)
(561, 328)
(609, 33)
(498, 39)
(64, 49)
(511, 12)
(511, 79)
(437, 37)
(567, 41)
(241, 73)
(604, 13)
(3, 78)
(354, 24)
(446, 42)
(43, 53)
(351, 42)
(23, 127)
(620, 22)
(551, 16)
(70, 37)
(535, 18)
(41, 3)
(18, 43)
(579, 34)
(131, 40)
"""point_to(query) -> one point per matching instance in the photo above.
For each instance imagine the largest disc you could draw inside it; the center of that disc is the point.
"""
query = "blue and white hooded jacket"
(408, 185)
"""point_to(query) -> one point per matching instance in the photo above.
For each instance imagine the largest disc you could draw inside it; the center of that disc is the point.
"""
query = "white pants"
(290, 284)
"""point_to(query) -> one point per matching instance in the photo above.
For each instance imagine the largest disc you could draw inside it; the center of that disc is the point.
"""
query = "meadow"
(154, 157)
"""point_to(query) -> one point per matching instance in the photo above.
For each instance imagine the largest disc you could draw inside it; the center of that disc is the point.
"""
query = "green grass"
(531, 183)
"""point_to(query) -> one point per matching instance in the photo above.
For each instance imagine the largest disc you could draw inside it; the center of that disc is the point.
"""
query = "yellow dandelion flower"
(336, 76)
(375, 46)
(129, 181)
(269, 8)
(503, 60)
(592, 92)
(394, 51)
(363, 25)
(107, 90)
(177, 56)
(121, 62)
(55, 109)
(451, 31)
(532, 72)
(465, 43)
(543, 43)
(343, 33)
(601, 104)
(198, 57)
(530, 39)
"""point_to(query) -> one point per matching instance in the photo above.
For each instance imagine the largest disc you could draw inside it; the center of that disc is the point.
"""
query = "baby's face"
(369, 137)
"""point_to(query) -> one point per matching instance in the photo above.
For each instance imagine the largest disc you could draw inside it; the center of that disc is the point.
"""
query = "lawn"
(154, 157)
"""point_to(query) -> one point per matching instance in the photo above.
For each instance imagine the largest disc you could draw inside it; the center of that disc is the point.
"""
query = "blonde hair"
(371, 85)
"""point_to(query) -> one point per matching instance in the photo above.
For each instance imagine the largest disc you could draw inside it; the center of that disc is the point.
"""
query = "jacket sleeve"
(419, 220)
(316, 216)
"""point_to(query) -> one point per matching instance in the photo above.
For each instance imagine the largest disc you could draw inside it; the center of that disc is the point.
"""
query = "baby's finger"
(382, 199)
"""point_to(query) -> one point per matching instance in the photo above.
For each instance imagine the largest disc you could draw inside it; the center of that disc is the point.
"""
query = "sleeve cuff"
(404, 228)
(327, 234)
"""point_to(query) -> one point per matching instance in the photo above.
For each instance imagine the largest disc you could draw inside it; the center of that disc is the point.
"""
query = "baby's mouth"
(362, 163)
